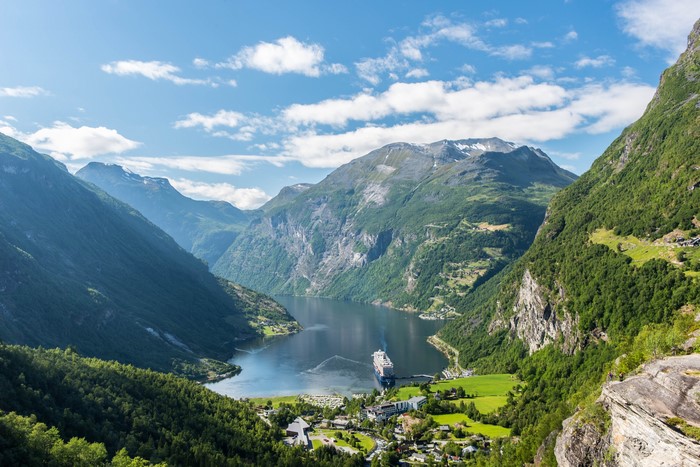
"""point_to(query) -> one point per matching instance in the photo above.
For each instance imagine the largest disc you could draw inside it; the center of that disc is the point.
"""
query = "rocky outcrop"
(642, 412)
(536, 320)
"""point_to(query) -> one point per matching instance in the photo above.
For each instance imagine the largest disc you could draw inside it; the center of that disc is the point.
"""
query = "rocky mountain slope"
(79, 268)
(613, 270)
(204, 228)
(648, 418)
(416, 226)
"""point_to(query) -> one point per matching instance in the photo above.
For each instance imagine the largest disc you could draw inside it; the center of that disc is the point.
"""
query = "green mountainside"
(414, 226)
(612, 272)
(80, 268)
(204, 228)
(57, 408)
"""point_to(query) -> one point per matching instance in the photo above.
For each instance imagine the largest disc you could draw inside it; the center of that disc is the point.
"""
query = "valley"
(324, 235)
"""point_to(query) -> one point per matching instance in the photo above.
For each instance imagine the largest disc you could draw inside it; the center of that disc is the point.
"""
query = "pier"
(414, 376)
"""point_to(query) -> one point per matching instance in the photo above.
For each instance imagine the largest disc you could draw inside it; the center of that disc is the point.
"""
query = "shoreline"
(448, 351)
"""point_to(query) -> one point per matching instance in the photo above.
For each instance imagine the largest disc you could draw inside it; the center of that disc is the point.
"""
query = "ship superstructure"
(383, 367)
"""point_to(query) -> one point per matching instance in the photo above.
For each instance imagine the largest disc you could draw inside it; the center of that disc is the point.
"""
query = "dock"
(414, 376)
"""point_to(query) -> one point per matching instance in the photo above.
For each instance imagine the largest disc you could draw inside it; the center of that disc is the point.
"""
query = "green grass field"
(485, 385)
(490, 393)
(492, 431)
(276, 400)
(366, 443)
(486, 404)
(642, 251)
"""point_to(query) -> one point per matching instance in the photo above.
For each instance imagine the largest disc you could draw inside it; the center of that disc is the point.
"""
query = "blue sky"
(235, 99)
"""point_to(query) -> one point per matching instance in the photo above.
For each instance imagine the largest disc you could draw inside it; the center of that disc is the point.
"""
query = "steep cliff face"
(413, 225)
(537, 320)
(645, 412)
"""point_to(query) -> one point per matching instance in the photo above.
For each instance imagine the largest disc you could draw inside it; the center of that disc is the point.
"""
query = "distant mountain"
(204, 228)
(79, 268)
(416, 226)
(611, 281)
(286, 195)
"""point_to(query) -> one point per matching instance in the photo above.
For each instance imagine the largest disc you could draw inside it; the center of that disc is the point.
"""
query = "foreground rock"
(642, 420)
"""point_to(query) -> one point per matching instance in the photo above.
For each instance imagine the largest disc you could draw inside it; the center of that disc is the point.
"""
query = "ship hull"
(384, 380)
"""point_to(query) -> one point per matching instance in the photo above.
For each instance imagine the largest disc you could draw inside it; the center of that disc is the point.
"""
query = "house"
(386, 410)
(298, 432)
(341, 423)
(414, 403)
(381, 412)
(469, 450)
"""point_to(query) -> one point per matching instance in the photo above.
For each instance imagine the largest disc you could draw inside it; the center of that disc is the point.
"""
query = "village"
(447, 420)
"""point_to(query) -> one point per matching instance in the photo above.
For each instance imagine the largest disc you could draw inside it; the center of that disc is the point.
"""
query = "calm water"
(333, 352)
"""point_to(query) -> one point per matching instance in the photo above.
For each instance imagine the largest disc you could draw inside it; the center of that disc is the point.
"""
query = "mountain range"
(204, 228)
(79, 268)
(415, 226)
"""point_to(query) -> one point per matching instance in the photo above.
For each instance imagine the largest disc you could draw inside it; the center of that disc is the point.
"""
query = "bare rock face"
(583, 444)
(638, 433)
(535, 319)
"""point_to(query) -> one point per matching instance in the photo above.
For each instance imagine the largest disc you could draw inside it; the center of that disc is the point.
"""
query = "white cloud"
(66, 142)
(512, 52)
(371, 69)
(335, 69)
(468, 69)
(541, 71)
(517, 109)
(200, 63)
(285, 55)
(629, 72)
(570, 36)
(418, 73)
(153, 70)
(543, 45)
(224, 118)
(442, 99)
(223, 165)
(23, 91)
(520, 21)
(439, 29)
(597, 62)
(497, 23)
(332, 150)
(663, 24)
(219, 124)
(242, 198)
(615, 106)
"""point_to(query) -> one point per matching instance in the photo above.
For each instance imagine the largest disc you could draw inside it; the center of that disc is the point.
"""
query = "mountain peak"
(117, 173)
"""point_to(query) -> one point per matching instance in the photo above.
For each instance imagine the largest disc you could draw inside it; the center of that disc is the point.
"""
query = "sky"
(234, 100)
